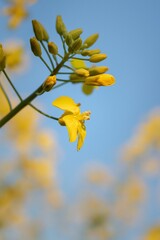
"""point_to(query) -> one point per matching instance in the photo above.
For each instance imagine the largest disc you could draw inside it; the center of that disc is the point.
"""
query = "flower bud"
(90, 40)
(39, 31)
(75, 46)
(76, 78)
(76, 33)
(68, 39)
(97, 57)
(52, 47)
(49, 83)
(35, 47)
(60, 26)
(82, 72)
(2, 59)
(97, 70)
(90, 52)
(100, 80)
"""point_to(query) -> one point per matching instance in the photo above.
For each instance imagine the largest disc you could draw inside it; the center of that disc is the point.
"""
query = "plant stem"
(45, 49)
(20, 106)
(46, 115)
(84, 59)
(33, 95)
(64, 47)
(6, 75)
(6, 96)
(45, 64)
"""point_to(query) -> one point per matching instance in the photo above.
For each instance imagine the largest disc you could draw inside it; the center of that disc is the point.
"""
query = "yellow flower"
(73, 119)
(17, 12)
(100, 80)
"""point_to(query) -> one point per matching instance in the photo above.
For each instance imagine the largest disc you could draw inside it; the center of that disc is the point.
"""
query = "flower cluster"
(76, 52)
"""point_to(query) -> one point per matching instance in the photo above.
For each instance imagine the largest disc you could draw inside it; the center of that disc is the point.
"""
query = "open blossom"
(73, 119)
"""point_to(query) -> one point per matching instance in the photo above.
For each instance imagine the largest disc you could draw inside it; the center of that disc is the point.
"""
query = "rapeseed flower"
(73, 119)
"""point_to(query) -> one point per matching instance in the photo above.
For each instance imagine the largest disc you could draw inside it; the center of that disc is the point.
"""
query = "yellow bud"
(35, 47)
(90, 40)
(100, 80)
(97, 57)
(52, 47)
(82, 72)
(75, 46)
(2, 59)
(97, 70)
(76, 78)
(60, 26)
(93, 51)
(39, 31)
(85, 52)
(76, 33)
(90, 52)
(68, 39)
(49, 83)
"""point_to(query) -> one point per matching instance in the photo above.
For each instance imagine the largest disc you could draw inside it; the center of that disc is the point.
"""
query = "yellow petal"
(72, 126)
(81, 135)
(67, 104)
(77, 63)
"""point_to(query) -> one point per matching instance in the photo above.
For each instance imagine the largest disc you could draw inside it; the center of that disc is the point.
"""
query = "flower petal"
(81, 135)
(67, 104)
(72, 126)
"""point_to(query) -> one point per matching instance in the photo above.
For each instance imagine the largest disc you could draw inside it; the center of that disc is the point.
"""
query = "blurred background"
(110, 189)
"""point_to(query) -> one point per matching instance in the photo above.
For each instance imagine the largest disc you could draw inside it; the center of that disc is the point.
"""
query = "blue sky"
(130, 36)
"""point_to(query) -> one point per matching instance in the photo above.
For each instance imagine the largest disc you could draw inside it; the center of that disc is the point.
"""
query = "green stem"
(62, 80)
(69, 67)
(6, 96)
(12, 85)
(84, 59)
(33, 95)
(20, 106)
(59, 55)
(46, 115)
(63, 43)
(45, 64)
(45, 49)
(65, 73)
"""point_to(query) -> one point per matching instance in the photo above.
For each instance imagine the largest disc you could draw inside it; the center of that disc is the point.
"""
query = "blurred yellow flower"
(17, 12)
(73, 119)
(16, 59)
(153, 234)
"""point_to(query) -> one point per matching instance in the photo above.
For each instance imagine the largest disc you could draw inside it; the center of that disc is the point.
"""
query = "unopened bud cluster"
(72, 45)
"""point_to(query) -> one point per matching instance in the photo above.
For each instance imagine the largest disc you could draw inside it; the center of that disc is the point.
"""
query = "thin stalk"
(6, 96)
(59, 55)
(6, 75)
(62, 80)
(45, 114)
(20, 106)
(33, 95)
(68, 67)
(63, 43)
(55, 59)
(84, 59)
(65, 73)
(45, 49)
(45, 64)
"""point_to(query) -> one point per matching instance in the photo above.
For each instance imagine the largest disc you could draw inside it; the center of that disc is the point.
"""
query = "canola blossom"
(73, 119)
(65, 65)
